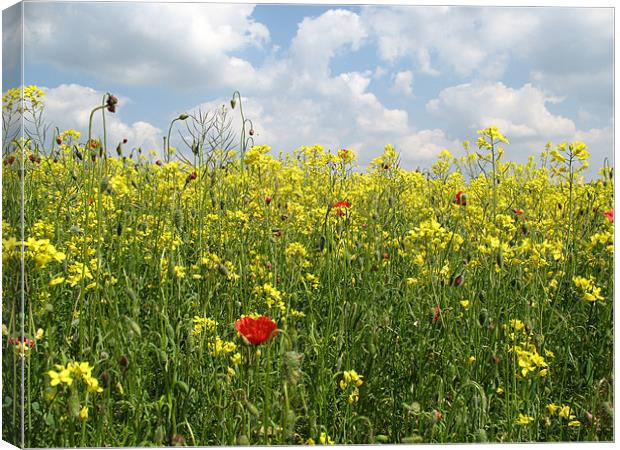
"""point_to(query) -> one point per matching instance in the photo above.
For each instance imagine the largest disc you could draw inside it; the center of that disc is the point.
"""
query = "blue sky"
(421, 78)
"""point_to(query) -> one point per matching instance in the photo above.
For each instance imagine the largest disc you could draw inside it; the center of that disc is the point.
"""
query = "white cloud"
(521, 113)
(184, 44)
(69, 106)
(462, 39)
(319, 39)
(402, 83)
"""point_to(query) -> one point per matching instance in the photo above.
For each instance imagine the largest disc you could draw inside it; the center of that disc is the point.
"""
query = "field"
(471, 302)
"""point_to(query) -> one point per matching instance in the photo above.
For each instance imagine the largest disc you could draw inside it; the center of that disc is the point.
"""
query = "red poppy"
(18, 340)
(268, 200)
(342, 204)
(518, 211)
(609, 215)
(461, 198)
(258, 330)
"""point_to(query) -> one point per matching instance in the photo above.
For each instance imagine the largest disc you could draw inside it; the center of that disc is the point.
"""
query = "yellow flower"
(552, 408)
(574, 424)
(64, 376)
(310, 441)
(84, 413)
(472, 359)
(464, 303)
(524, 420)
(565, 412)
(325, 439)
(235, 359)
(56, 281)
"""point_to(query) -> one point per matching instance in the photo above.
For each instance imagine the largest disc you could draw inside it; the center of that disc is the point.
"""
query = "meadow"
(222, 295)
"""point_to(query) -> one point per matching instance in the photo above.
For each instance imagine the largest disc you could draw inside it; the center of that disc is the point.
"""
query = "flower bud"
(123, 361)
(183, 116)
(58, 140)
(233, 102)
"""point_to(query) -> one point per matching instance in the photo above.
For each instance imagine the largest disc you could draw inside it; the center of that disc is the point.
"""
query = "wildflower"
(565, 412)
(346, 155)
(268, 200)
(518, 211)
(58, 140)
(464, 303)
(325, 439)
(342, 204)
(524, 419)
(460, 198)
(574, 424)
(200, 323)
(256, 331)
(84, 413)
(64, 376)
(472, 359)
(310, 441)
(56, 281)
(609, 215)
(552, 408)
(589, 290)
(235, 359)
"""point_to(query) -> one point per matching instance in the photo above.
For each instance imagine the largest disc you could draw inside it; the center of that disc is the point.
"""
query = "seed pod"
(105, 379)
(483, 316)
(251, 408)
(525, 228)
(134, 327)
(182, 386)
(177, 218)
(221, 268)
(322, 241)
(481, 435)
(104, 186)
(159, 434)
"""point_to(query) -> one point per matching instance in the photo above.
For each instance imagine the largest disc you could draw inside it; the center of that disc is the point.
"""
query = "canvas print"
(306, 224)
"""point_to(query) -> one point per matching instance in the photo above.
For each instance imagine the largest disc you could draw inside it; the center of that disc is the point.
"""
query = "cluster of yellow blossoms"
(351, 381)
(528, 358)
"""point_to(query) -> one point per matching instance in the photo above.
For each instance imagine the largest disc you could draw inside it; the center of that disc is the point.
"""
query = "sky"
(422, 78)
